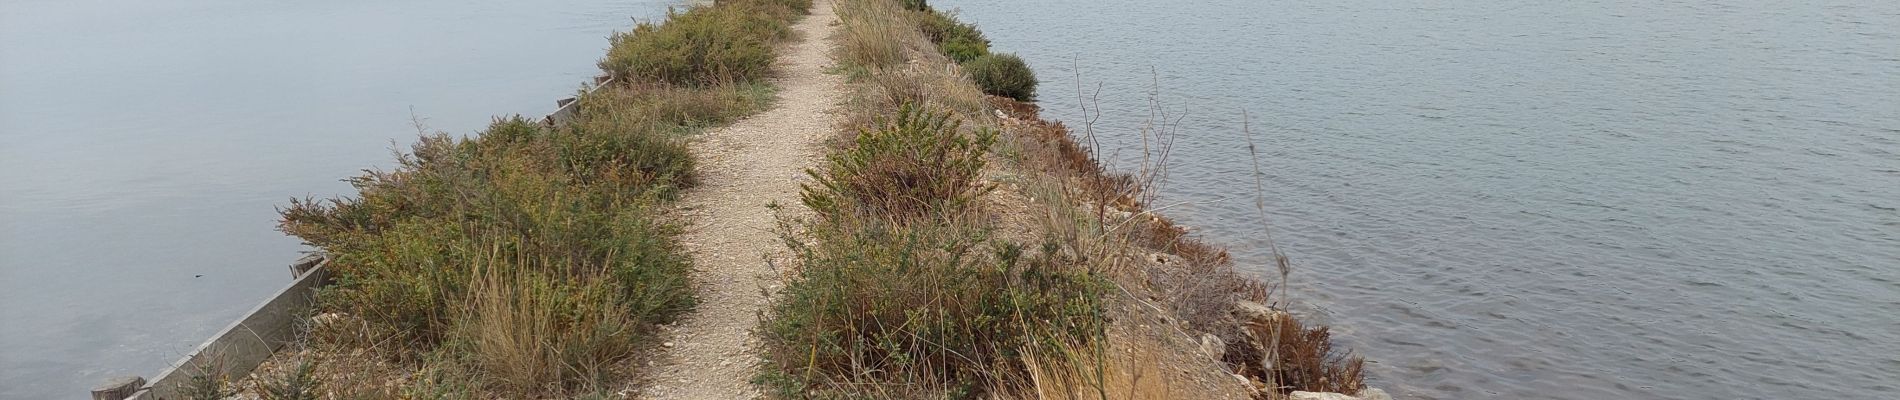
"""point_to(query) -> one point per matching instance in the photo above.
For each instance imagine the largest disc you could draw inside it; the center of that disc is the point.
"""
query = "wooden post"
(118, 388)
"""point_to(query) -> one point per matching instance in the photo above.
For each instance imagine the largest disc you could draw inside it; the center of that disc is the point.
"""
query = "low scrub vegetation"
(896, 295)
(918, 165)
(960, 41)
(531, 260)
(920, 310)
(729, 43)
(566, 215)
(1003, 75)
(996, 74)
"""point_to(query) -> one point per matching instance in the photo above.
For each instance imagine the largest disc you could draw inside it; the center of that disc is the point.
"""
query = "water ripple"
(1513, 199)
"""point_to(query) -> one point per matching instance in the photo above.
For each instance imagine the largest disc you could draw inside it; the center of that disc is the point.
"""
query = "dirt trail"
(712, 352)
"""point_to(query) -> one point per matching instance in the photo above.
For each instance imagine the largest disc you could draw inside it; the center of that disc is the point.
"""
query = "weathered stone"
(1244, 381)
(1212, 346)
(326, 319)
(1365, 394)
(1319, 396)
(1251, 311)
(1374, 394)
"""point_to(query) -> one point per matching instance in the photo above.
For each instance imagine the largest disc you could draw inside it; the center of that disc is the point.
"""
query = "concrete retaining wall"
(240, 347)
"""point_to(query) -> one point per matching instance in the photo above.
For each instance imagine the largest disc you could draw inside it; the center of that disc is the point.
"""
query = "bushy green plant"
(960, 41)
(916, 5)
(919, 164)
(925, 310)
(703, 45)
(572, 205)
(964, 49)
(1003, 75)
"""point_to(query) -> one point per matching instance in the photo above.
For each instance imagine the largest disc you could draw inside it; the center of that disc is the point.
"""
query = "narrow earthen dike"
(711, 353)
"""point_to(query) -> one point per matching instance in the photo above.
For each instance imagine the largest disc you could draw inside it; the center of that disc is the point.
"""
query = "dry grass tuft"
(1068, 371)
(1134, 361)
(866, 37)
(528, 333)
(1003, 75)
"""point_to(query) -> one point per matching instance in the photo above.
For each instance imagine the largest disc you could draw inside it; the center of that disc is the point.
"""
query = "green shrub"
(916, 165)
(916, 5)
(960, 41)
(702, 46)
(963, 50)
(1003, 75)
(919, 311)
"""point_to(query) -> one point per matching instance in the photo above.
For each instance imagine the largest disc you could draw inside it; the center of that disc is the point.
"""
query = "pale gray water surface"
(145, 144)
(1517, 199)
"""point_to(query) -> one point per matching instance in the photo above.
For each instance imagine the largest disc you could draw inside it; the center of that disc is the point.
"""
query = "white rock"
(1213, 346)
(1251, 311)
(1374, 394)
(1366, 394)
(1319, 396)
(1243, 380)
(326, 318)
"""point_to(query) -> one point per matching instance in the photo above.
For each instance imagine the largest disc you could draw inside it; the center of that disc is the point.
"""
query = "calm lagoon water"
(144, 146)
(1536, 200)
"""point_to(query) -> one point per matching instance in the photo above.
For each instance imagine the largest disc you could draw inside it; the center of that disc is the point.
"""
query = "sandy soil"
(712, 352)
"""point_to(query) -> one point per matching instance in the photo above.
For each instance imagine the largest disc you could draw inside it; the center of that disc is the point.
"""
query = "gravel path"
(712, 352)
